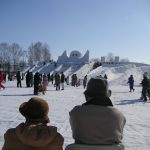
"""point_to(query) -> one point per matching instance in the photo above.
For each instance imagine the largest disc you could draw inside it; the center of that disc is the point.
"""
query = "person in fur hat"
(34, 134)
(97, 122)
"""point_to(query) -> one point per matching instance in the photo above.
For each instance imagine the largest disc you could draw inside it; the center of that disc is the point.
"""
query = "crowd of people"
(40, 81)
(105, 128)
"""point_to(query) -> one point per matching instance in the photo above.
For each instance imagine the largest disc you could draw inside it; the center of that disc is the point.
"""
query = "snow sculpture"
(74, 58)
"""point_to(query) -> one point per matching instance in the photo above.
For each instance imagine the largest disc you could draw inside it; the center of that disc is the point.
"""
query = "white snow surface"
(137, 113)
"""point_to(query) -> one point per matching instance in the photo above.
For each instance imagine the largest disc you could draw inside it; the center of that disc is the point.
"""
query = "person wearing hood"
(34, 134)
(97, 122)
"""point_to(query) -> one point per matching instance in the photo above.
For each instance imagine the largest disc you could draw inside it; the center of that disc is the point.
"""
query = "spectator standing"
(28, 79)
(84, 81)
(62, 80)
(19, 77)
(145, 87)
(57, 81)
(52, 78)
(45, 83)
(37, 82)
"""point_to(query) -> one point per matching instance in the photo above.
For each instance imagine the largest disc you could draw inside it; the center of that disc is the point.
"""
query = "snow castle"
(74, 58)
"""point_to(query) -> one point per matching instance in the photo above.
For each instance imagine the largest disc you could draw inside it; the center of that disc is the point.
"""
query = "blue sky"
(121, 27)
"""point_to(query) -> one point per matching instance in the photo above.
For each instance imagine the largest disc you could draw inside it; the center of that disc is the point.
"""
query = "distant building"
(103, 59)
(116, 59)
(74, 58)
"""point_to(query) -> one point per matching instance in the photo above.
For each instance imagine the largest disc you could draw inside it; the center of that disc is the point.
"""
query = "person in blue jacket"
(131, 83)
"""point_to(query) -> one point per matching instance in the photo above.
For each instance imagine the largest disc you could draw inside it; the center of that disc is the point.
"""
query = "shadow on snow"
(131, 101)
(16, 95)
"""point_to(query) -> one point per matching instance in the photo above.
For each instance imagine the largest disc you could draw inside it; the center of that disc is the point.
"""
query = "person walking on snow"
(131, 83)
(145, 87)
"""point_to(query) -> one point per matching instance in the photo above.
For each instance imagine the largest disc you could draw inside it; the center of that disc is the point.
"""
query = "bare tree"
(4, 56)
(15, 53)
(46, 53)
(3, 52)
(38, 53)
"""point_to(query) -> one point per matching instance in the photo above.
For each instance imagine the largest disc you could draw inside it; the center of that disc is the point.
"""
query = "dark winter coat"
(57, 79)
(37, 79)
(84, 81)
(62, 78)
(131, 82)
(18, 75)
(28, 79)
(33, 137)
(146, 82)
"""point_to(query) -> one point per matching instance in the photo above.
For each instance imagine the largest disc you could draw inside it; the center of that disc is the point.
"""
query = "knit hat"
(97, 87)
(36, 109)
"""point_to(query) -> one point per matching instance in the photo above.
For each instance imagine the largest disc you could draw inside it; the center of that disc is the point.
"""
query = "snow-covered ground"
(137, 129)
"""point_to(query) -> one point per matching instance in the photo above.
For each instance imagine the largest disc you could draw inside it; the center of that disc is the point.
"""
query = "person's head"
(97, 87)
(35, 110)
(145, 75)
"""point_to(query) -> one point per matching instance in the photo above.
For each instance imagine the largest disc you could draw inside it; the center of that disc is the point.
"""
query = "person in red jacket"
(1, 80)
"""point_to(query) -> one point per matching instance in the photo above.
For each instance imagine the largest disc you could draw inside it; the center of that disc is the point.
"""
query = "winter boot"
(145, 99)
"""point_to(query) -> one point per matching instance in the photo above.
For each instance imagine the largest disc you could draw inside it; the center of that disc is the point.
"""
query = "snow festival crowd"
(104, 130)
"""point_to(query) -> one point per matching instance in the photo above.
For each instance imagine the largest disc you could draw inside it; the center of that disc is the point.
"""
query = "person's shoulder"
(54, 132)
(76, 108)
(116, 112)
(9, 133)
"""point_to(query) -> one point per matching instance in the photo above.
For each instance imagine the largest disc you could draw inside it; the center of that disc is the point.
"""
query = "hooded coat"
(33, 137)
(97, 122)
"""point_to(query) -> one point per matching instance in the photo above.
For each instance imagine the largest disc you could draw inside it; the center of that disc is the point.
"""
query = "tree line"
(14, 55)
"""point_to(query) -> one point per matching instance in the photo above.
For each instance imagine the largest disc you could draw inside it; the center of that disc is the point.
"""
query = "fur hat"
(36, 109)
(97, 87)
